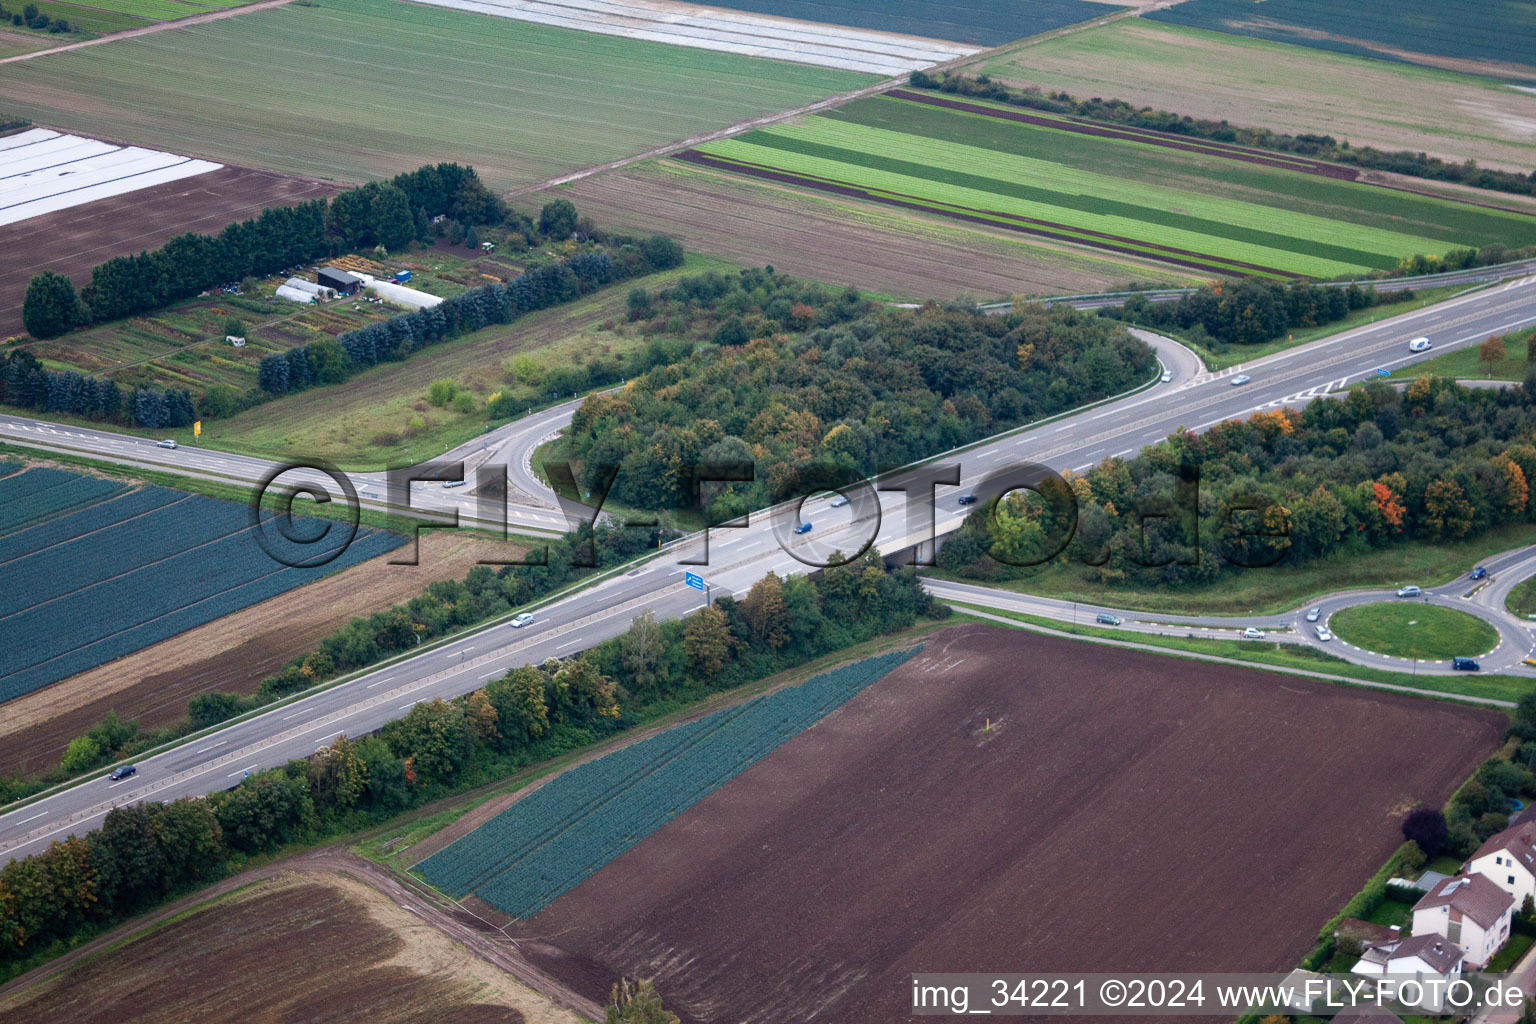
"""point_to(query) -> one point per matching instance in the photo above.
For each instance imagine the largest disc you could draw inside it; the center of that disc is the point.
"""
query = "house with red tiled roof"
(1471, 912)
(1424, 958)
(1508, 860)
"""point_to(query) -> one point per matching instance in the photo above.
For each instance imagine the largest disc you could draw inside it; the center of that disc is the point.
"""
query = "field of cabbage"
(545, 844)
(1498, 40)
(95, 570)
(1223, 212)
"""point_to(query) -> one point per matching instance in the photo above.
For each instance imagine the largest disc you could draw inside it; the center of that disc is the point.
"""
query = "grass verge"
(1279, 588)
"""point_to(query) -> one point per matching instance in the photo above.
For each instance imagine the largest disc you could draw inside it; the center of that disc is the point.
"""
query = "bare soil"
(323, 937)
(1015, 802)
(73, 241)
(232, 654)
(909, 255)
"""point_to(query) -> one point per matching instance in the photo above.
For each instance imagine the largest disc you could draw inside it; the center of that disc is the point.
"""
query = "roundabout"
(1414, 630)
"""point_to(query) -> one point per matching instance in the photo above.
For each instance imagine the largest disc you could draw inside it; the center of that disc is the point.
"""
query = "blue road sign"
(1383, 373)
(694, 580)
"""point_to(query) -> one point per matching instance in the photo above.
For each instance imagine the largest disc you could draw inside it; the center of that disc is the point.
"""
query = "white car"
(1419, 345)
(1322, 632)
(167, 443)
(1253, 633)
(1167, 376)
(1409, 591)
(1240, 380)
(1314, 614)
(521, 619)
(839, 501)
(454, 483)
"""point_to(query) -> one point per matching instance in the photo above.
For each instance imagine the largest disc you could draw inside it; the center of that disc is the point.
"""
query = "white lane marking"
(296, 714)
(378, 682)
(494, 672)
(465, 650)
(123, 782)
(573, 643)
(237, 771)
(34, 817)
(201, 750)
(412, 704)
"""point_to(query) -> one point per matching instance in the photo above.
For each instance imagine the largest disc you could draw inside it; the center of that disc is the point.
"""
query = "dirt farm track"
(1124, 812)
(73, 241)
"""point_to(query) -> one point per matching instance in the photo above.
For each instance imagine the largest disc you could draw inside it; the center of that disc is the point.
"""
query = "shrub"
(441, 392)
(1426, 827)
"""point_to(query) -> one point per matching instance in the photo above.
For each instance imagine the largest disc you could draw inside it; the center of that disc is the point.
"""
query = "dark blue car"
(803, 528)
(1479, 573)
(122, 772)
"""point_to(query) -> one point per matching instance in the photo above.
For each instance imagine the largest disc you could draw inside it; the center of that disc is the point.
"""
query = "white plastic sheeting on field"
(757, 35)
(399, 294)
(43, 171)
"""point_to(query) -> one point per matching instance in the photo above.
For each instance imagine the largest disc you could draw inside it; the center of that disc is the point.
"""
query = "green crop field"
(1212, 212)
(159, 10)
(359, 89)
(1495, 37)
(95, 20)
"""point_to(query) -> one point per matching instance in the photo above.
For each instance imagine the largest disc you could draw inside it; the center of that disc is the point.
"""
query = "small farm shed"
(338, 280)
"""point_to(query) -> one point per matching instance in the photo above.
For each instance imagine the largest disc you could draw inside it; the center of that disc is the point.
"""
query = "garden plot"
(43, 171)
(663, 21)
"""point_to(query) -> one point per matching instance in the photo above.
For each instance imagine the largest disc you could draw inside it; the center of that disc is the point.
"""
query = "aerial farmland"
(655, 512)
(102, 570)
(1063, 818)
(574, 99)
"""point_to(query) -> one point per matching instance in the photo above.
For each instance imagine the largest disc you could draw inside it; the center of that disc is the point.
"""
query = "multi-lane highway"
(1193, 399)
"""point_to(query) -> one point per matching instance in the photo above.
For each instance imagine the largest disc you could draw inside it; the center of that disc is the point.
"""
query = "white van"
(1419, 345)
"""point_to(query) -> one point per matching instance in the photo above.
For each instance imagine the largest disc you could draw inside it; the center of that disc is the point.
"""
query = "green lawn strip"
(1463, 363)
(1414, 630)
(1281, 656)
(1513, 950)
(1279, 588)
(1229, 177)
(1234, 354)
(391, 86)
(1445, 865)
(1392, 912)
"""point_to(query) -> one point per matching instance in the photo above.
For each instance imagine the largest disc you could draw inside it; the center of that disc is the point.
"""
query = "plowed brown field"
(73, 241)
(1123, 812)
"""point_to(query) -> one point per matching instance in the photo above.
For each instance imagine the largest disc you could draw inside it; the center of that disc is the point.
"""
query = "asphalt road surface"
(737, 557)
